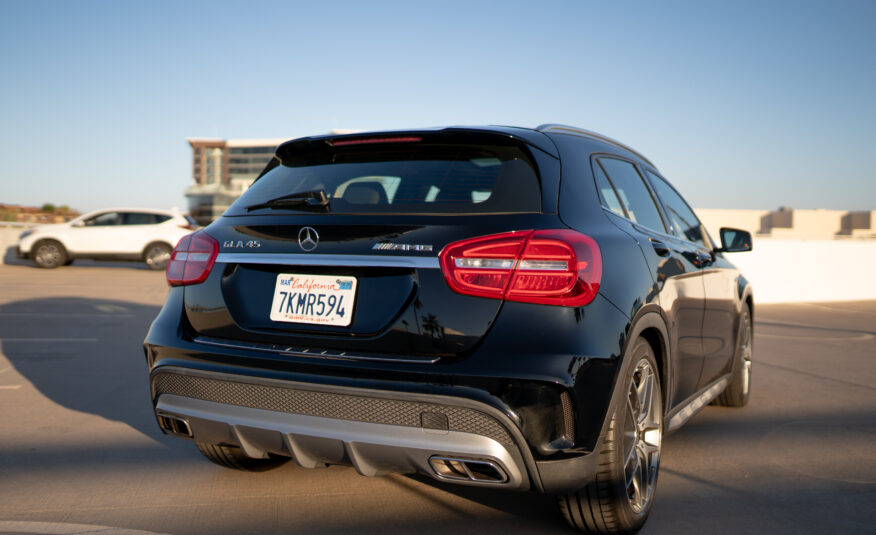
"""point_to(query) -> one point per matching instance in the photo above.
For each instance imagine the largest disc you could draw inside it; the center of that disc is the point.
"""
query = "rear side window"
(607, 195)
(632, 193)
(416, 176)
(684, 222)
(139, 218)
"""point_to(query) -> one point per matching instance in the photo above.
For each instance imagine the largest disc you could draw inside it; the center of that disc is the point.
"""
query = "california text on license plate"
(320, 299)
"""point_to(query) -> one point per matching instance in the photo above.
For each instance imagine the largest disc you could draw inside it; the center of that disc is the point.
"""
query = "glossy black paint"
(519, 358)
(693, 289)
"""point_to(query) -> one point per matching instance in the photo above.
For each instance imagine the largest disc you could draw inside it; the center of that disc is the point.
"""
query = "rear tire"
(157, 256)
(231, 457)
(737, 392)
(49, 254)
(620, 497)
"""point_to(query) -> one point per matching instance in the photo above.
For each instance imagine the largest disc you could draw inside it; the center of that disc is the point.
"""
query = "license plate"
(318, 299)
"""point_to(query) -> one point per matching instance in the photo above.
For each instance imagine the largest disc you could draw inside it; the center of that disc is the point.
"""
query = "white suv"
(112, 234)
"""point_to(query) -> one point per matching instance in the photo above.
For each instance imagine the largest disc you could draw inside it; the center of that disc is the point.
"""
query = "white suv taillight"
(551, 267)
(192, 259)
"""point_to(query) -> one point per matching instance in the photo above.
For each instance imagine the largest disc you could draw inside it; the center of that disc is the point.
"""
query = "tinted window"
(606, 193)
(684, 222)
(138, 218)
(408, 177)
(104, 220)
(633, 193)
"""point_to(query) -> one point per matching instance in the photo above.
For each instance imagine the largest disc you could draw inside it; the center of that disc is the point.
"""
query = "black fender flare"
(650, 317)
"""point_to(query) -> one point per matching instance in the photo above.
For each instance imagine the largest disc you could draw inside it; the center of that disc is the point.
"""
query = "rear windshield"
(409, 176)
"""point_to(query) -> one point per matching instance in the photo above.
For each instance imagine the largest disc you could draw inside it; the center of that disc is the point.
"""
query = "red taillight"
(192, 259)
(551, 267)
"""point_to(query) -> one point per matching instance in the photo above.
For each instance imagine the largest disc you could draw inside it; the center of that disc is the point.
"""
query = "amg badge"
(389, 246)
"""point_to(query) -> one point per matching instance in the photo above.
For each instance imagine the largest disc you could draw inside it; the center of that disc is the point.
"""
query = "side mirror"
(734, 240)
(78, 224)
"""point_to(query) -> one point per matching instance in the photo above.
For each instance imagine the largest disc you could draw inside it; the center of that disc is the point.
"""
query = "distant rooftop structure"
(221, 170)
(786, 222)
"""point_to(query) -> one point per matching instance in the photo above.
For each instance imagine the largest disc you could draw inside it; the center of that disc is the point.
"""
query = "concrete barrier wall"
(782, 271)
(8, 238)
(788, 271)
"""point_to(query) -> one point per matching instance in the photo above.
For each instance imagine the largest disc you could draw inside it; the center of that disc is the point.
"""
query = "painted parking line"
(60, 528)
(6, 369)
(10, 387)
(4, 340)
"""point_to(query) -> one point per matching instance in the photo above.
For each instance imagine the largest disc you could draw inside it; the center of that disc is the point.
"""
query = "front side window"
(684, 222)
(103, 220)
(632, 193)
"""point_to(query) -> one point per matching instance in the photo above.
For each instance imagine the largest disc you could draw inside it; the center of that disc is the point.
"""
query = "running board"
(696, 404)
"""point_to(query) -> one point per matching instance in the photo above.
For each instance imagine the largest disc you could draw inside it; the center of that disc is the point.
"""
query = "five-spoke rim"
(642, 436)
(48, 254)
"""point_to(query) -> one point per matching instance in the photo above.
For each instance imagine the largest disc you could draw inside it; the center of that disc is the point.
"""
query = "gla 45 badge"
(240, 244)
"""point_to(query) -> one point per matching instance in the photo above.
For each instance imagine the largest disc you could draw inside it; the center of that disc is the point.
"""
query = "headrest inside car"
(365, 193)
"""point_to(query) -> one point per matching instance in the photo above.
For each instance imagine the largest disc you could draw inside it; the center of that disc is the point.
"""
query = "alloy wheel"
(48, 255)
(643, 432)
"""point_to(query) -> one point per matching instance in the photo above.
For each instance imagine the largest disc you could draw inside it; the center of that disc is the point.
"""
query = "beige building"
(859, 224)
(221, 171)
(792, 224)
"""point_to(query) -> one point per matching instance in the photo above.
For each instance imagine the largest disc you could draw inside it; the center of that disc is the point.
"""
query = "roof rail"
(589, 133)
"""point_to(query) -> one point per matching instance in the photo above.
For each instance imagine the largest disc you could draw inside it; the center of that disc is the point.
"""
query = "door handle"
(659, 247)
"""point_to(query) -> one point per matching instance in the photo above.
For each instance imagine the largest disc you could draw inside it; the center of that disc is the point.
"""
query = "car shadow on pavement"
(11, 259)
(529, 505)
(83, 354)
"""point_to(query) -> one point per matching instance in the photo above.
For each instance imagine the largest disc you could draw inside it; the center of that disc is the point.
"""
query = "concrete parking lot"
(80, 451)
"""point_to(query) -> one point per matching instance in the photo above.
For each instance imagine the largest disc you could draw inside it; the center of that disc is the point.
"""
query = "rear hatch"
(333, 250)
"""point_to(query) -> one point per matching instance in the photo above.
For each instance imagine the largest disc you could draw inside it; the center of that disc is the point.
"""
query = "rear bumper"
(375, 432)
(550, 403)
(448, 438)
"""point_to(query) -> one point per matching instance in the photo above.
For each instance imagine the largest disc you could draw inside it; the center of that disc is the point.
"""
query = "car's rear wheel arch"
(651, 326)
(660, 347)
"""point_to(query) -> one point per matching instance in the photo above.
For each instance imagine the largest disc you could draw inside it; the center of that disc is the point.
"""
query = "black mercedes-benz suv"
(492, 306)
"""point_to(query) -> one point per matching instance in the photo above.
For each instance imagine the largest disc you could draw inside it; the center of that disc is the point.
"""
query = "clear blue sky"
(741, 104)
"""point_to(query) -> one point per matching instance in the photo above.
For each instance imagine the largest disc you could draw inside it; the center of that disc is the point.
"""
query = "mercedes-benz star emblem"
(308, 239)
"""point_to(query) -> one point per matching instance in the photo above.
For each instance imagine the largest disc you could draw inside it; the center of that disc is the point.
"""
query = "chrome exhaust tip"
(472, 470)
(174, 425)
